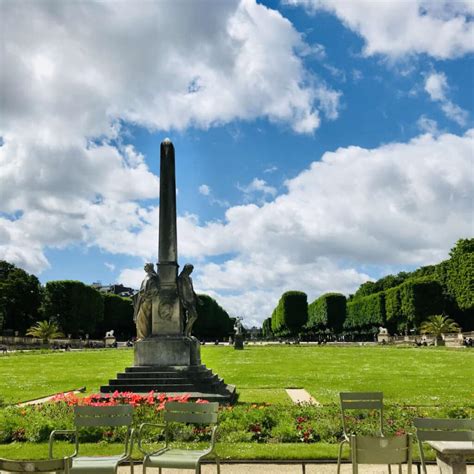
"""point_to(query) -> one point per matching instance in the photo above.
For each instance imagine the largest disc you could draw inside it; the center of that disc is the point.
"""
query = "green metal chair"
(57, 465)
(96, 416)
(169, 457)
(381, 450)
(358, 401)
(442, 429)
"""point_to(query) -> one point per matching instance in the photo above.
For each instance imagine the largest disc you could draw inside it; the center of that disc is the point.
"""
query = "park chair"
(169, 457)
(56, 465)
(97, 416)
(381, 450)
(442, 429)
(358, 401)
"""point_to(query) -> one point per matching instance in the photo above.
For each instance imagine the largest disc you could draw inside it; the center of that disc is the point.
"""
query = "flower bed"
(259, 423)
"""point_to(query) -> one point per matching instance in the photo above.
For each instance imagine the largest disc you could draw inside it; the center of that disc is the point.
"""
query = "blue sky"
(318, 144)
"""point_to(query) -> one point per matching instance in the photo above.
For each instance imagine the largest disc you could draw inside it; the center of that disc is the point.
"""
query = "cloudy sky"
(319, 144)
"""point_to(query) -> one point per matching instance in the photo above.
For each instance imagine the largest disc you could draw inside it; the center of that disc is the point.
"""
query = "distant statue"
(238, 327)
(188, 298)
(109, 333)
(142, 302)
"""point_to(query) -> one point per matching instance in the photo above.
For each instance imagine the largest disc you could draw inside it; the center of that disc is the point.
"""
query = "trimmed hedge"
(327, 312)
(213, 321)
(76, 308)
(291, 314)
(365, 313)
(267, 328)
(118, 315)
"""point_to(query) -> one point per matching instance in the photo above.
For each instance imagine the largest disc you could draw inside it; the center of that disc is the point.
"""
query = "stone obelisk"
(167, 345)
(166, 312)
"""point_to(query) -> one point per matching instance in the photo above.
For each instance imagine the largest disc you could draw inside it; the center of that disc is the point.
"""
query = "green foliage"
(213, 321)
(438, 324)
(267, 329)
(366, 313)
(460, 281)
(45, 330)
(328, 311)
(291, 314)
(118, 315)
(419, 298)
(75, 307)
(389, 281)
(20, 298)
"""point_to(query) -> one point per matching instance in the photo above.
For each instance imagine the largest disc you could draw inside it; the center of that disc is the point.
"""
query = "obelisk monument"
(166, 344)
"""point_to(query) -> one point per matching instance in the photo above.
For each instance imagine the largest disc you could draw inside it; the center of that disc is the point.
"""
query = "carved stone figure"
(188, 298)
(238, 327)
(143, 300)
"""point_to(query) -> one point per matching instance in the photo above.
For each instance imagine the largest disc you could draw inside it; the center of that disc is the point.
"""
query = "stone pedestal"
(167, 351)
(239, 342)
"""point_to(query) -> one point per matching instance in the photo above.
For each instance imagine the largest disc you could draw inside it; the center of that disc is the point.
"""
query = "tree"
(118, 315)
(290, 315)
(75, 307)
(437, 325)
(20, 298)
(45, 330)
(213, 321)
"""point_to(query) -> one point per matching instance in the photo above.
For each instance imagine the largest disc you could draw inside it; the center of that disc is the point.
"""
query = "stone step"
(168, 368)
(147, 387)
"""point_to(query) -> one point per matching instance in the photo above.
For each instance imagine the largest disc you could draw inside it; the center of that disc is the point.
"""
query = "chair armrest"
(140, 436)
(62, 432)
(131, 440)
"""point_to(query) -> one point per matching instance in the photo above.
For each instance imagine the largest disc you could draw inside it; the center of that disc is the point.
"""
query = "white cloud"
(399, 204)
(110, 266)
(73, 73)
(257, 188)
(428, 125)
(440, 28)
(204, 189)
(436, 85)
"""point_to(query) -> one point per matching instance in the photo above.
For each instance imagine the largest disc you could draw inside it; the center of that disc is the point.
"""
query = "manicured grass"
(408, 376)
(225, 450)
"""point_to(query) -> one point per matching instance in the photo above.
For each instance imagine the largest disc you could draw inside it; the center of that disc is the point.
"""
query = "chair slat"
(361, 405)
(425, 435)
(444, 423)
(197, 418)
(346, 396)
(103, 421)
(192, 407)
(35, 466)
(103, 410)
(381, 450)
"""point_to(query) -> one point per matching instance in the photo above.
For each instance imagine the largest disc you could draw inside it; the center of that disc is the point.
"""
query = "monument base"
(167, 351)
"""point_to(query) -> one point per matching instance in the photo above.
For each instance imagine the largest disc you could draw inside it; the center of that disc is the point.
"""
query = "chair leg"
(339, 457)
(218, 465)
(389, 469)
(399, 469)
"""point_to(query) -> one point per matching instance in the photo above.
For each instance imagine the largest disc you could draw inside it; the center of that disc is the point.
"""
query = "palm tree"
(437, 325)
(45, 330)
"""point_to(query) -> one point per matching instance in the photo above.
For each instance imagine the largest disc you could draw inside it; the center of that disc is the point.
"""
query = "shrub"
(366, 313)
(291, 314)
(327, 312)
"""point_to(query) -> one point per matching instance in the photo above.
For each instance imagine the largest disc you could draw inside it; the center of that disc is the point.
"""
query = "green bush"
(75, 307)
(366, 313)
(267, 329)
(327, 312)
(118, 315)
(291, 314)
(213, 321)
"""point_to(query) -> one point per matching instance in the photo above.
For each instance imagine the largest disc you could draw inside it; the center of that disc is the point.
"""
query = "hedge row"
(267, 329)
(327, 312)
(213, 321)
(291, 314)
(366, 312)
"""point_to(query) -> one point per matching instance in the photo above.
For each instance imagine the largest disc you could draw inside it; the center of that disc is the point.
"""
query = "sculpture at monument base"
(143, 301)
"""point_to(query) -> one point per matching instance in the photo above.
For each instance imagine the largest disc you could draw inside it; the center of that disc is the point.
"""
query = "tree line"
(80, 310)
(398, 302)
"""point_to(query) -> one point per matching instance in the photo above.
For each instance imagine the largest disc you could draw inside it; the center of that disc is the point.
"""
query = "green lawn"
(409, 376)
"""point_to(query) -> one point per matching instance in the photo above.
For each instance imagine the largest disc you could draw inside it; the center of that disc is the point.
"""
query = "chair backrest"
(190, 412)
(439, 429)
(362, 401)
(381, 449)
(119, 415)
(58, 465)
